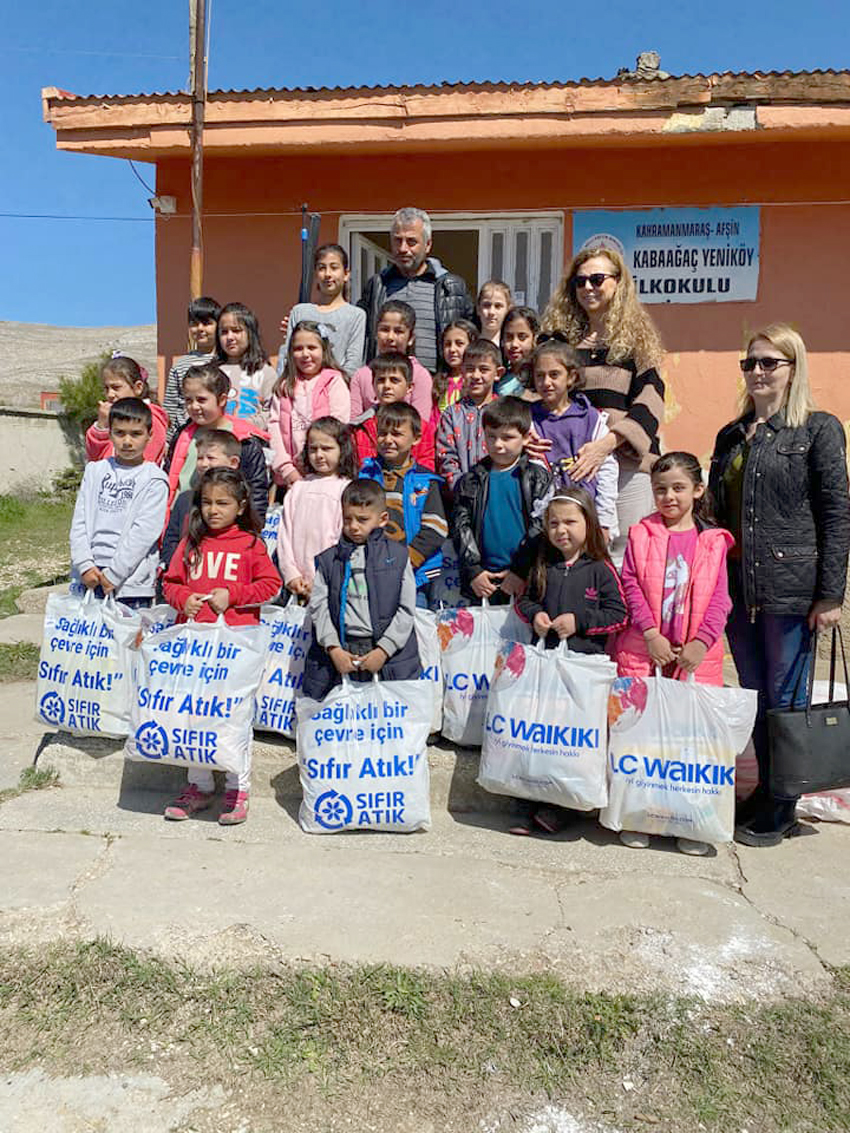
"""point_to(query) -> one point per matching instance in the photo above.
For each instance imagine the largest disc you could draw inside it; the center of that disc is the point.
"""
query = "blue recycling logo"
(152, 741)
(52, 708)
(333, 811)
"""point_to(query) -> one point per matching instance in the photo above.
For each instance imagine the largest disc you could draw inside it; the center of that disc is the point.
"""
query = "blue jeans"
(771, 655)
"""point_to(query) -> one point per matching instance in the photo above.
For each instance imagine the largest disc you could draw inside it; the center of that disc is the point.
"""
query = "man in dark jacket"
(437, 296)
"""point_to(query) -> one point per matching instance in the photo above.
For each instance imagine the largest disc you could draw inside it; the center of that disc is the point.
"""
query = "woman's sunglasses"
(551, 336)
(767, 365)
(595, 280)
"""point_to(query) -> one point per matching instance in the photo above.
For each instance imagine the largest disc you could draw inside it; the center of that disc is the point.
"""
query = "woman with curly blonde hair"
(596, 310)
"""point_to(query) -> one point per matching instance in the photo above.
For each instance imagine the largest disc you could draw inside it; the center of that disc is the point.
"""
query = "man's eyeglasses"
(595, 280)
(767, 365)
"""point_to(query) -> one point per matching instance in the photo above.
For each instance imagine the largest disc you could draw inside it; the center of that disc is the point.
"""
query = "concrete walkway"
(95, 857)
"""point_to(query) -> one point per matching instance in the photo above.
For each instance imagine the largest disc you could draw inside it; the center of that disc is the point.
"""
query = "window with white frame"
(523, 249)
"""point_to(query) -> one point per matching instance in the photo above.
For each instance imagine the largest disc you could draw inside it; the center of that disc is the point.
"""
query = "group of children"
(376, 468)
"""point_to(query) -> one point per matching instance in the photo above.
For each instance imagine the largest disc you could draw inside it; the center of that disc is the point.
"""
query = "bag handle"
(837, 638)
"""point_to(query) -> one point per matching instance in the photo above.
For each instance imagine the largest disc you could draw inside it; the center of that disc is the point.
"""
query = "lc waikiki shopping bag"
(85, 671)
(425, 624)
(470, 638)
(546, 729)
(290, 633)
(194, 696)
(672, 749)
(362, 758)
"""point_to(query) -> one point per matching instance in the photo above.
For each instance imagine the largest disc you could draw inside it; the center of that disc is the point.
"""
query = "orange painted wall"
(804, 247)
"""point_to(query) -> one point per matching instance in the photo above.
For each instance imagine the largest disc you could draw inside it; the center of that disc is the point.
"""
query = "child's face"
(491, 311)
(129, 439)
(202, 405)
(307, 353)
(553, 381)
(358, 522)
(566, 527)
(202, 332)
(518, 341)
(455, 342)
(233, 336)
(214, 456)
(479, 377)
(392, 334)
(323, 454)
(504, 445)
(675, 494)
(390, 387)
(219, 507)
(331, 276)
(115, 387)
(394, 442)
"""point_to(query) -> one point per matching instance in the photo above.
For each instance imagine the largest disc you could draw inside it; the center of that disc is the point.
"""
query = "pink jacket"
(330, 399)
(649, 540)
(99, 446)
(311, 521)
(419, 395)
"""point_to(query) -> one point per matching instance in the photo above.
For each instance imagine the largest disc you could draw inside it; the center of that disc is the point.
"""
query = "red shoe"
(190, 802)
(235, 808)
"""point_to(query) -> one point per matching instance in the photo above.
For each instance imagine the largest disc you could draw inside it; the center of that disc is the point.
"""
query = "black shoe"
(774, 822)
(747, 809)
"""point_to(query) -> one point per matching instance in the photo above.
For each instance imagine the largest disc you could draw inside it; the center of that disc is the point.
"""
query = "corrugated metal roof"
(482, 84)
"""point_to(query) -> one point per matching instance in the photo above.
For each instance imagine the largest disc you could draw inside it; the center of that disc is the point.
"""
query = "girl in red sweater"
(220, 567)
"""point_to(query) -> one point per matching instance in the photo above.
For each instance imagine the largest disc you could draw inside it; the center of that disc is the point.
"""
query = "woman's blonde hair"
(629, 331)
(799, 402)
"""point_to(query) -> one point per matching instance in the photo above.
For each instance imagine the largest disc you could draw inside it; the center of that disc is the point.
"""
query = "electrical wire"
(100, 54)
(140, 178)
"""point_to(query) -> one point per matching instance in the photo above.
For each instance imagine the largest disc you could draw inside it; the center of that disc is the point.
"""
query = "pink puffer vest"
(649, 540)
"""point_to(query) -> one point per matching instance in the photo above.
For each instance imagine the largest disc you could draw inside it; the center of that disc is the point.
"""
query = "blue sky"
(101, 272)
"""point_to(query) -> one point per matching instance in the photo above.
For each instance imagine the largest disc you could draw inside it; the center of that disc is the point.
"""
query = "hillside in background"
(36, 356)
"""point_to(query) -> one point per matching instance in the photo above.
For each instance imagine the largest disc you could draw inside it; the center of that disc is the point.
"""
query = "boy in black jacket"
(493, 519)
(363, 600)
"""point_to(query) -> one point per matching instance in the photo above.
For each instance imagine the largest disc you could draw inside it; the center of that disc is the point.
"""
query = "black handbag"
(810, 747)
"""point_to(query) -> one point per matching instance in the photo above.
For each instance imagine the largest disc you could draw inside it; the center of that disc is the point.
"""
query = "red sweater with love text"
(234, 559)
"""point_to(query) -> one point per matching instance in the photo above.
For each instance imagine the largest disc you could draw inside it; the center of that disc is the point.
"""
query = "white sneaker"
(634, 839)
(695, 849)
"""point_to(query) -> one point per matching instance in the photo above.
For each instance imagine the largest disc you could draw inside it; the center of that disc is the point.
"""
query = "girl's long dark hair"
(547, 554)
(348, 463)
(255, 356)
(235, 483)
(441, 378)
(703, 507)
(285, 386)
(530, 316)
(337, 250)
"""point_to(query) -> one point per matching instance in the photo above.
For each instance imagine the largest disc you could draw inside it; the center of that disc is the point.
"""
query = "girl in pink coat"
(311, 386)
(676, 589)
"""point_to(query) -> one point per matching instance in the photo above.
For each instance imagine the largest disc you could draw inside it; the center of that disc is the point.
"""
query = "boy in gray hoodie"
(120, 513)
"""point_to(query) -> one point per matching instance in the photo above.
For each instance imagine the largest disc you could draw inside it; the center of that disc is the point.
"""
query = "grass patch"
(18, 661)
(452, 1046)
(31, 779)
(33, 544)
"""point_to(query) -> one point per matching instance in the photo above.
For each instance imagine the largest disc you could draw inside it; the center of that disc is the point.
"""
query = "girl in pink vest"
(676, 588)
(311, 386)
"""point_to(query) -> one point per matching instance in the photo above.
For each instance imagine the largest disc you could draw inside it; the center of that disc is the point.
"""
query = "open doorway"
(524, 249)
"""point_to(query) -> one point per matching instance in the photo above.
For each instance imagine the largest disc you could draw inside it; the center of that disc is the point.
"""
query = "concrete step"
(35, 601)
(22, 627)
(99, 764)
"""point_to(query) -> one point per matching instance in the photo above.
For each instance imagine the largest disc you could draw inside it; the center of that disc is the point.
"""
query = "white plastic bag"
(194, 701)
(671, 757)
(445, 589)
(271, 527)
(362, 758)
(425, 624)
(470, 639)
(85, 670)
(289, 627)
(546, 730)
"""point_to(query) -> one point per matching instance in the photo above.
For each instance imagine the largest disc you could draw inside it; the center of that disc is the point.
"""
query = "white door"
(367, 259)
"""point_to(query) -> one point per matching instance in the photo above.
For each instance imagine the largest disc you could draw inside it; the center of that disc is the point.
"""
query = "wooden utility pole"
(198, 81)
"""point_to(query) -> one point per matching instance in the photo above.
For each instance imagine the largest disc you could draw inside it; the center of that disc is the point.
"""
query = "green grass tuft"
(19, 661)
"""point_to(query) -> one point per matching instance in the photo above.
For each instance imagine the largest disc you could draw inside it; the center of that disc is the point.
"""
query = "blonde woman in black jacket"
(779, 482)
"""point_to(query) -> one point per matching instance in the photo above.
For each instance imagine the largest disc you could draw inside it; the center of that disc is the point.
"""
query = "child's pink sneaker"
(235, 808)
(190, 802)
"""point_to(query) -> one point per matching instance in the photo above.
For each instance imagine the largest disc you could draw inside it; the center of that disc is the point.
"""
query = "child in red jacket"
(124, 377)
(221, 567)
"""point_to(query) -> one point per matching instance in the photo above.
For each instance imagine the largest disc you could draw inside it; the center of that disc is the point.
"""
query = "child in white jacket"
(120, 512)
